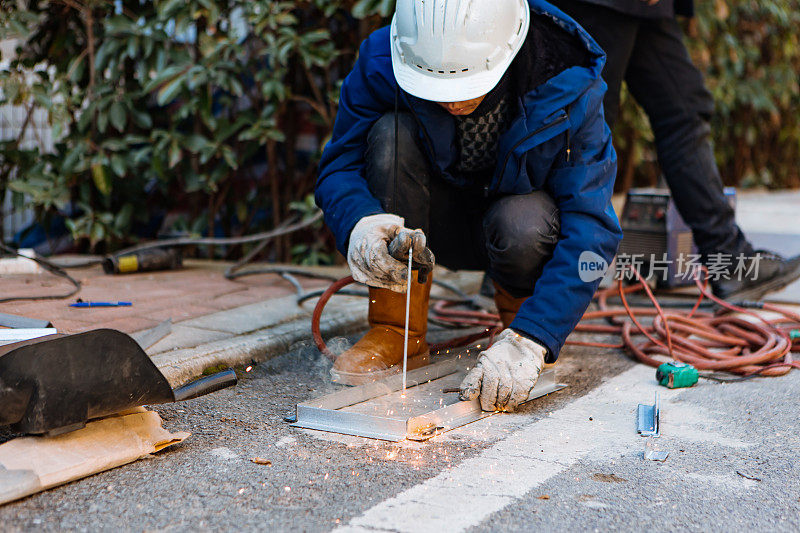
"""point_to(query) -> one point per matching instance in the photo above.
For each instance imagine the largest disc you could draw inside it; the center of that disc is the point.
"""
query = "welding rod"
(408, 310)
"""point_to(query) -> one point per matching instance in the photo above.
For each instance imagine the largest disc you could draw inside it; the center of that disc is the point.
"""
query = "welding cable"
(288, 226)
(709, 342)
(284, 228)
(281, 270)
(338, 287)
(712, 342)
(263, 238)
(463, 299)
(48, 266)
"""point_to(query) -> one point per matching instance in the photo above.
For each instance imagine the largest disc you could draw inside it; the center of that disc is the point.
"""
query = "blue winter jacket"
(558, 142)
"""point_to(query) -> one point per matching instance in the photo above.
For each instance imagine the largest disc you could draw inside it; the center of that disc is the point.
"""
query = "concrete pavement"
(571, 460)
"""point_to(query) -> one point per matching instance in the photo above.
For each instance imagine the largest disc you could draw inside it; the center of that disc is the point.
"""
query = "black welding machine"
(653, 231)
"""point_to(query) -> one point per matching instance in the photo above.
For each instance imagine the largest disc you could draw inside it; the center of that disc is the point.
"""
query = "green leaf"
(102, 121)
(174, 153)
(101, 180)
(195, 143)
(70, 162)
(97, 234)
(118, 116)
(230, 157)
(170, 91)
(163, 76)
(167, 9)
(118, 165)
(142, 119)
(106, 50)
(76, 69)
(122, 221)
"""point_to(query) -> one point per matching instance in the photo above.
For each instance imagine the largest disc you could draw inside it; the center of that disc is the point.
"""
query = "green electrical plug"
(794, 334)
(676, 375)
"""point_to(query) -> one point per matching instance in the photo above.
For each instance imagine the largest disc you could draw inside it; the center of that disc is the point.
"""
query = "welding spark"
(241, 491)
(248, 369)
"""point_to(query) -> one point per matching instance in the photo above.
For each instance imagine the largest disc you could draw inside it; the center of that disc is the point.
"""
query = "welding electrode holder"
(423, 267)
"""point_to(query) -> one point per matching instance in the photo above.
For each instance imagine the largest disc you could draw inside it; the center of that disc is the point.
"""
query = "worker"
(644, 44)
(474, 129)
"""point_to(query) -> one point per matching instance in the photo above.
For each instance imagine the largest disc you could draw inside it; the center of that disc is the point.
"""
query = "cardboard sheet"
(32, 464)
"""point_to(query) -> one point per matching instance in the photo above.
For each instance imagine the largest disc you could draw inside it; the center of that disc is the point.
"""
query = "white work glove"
(368, 251)
(505, 374)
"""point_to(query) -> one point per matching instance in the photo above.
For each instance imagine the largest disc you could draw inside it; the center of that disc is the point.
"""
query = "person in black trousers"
(644, 46)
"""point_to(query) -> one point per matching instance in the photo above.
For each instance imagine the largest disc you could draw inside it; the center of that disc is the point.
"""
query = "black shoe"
(774, 273)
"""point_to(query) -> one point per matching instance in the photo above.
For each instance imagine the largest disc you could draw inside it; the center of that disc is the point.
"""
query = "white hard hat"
(455, 50)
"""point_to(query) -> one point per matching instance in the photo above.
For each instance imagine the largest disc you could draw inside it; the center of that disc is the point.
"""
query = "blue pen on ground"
(84, 305)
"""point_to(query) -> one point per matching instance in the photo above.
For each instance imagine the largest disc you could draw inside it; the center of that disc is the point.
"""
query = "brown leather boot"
(507, 305)
(379, 353)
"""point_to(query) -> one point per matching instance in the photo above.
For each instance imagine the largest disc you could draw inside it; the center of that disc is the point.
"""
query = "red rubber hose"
(315, 318)
(718, 342)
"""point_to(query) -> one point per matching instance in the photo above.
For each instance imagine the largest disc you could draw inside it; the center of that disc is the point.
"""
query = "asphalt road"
(569, 460)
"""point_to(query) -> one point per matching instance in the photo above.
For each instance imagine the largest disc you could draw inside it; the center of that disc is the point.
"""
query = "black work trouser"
(649, 54)
(510, 237)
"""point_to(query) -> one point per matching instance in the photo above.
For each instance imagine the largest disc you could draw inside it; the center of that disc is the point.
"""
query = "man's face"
(462, 108)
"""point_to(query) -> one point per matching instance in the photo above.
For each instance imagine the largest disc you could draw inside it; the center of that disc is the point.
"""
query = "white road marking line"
(467, 494)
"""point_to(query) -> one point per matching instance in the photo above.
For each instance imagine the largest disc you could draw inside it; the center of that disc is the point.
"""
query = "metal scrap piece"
(652, 453)
(13, 321)
(379, 410)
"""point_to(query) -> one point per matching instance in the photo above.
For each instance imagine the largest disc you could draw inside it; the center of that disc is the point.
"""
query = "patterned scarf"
(478, 135)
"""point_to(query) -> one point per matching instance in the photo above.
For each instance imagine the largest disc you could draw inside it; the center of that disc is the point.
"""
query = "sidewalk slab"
(183, 336)
(247, 318)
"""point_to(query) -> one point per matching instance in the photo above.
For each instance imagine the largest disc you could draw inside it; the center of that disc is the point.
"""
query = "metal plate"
(380, 410)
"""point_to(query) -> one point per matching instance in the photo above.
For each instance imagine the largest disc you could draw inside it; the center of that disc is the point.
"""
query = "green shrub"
(201, 106)
(221, 129)
(749, 52)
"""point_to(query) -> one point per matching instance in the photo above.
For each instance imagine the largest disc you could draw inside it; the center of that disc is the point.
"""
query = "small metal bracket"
(649, 425)
(648, 419)
(380, 410)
